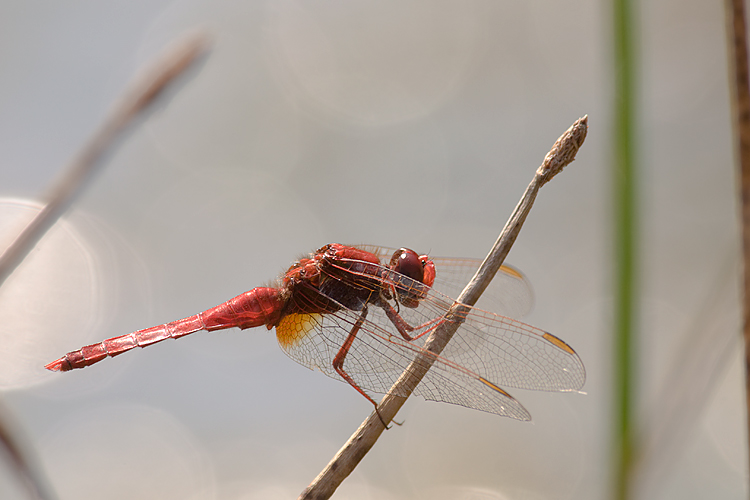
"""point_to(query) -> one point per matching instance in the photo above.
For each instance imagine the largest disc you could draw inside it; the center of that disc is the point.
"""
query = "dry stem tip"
(564, 150)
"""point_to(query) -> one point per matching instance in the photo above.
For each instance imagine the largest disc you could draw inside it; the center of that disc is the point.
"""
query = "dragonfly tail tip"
(57, 366)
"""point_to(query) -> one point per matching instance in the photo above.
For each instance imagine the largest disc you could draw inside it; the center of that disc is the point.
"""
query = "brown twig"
(562, 153)
(26, 471)
(740, 91)
(136, 100)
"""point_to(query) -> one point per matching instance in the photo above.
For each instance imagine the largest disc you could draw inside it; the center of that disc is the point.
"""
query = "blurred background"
(413, 124)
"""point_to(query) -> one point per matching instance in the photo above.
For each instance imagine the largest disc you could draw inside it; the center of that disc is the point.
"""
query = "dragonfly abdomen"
(258, 307)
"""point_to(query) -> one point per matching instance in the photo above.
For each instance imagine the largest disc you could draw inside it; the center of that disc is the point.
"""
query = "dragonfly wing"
(504, 350)
(372, 361)
(509, 294)
(451, 383)
(378, 357)
(515, 354)
(486, 351)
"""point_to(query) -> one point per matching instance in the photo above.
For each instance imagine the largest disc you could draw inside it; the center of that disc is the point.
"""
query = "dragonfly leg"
(405, 328)
(338, 362)
(402, 326)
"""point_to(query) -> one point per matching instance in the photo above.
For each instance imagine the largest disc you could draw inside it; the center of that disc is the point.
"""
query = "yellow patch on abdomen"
(293, 328)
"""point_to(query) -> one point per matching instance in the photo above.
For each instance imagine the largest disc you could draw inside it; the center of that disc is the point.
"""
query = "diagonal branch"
(139, 96)
(562, 153)
(137, 99)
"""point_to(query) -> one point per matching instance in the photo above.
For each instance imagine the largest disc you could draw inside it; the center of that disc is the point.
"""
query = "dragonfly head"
(420, 270)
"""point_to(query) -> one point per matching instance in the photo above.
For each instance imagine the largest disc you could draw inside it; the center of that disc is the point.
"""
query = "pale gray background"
(398, 123)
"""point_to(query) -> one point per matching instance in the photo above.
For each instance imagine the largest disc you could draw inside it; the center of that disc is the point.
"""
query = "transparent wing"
(506, 351)
(487, 351)
(377, 358)
(510, 293)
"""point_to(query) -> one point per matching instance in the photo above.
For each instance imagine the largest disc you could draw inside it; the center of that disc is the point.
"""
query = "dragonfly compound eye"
(407, 263)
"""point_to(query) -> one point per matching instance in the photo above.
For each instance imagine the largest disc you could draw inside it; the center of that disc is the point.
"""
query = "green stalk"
(625, 220)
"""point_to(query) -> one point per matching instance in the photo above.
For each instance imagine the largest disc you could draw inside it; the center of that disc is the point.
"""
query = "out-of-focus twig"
(562, 153)
(142, 92)
(739, 84)
(26, 471)
(136, 100)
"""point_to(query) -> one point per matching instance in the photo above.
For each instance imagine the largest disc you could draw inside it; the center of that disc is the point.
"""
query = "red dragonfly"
(361, 318)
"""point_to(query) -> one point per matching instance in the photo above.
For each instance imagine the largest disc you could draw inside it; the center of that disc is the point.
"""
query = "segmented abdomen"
(260, 306)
